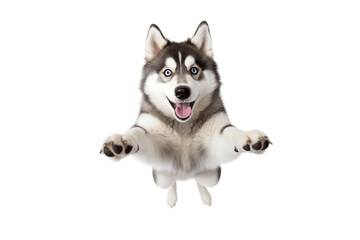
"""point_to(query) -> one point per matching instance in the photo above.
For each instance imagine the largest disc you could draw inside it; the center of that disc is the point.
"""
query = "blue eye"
(167, 72)
(194, 70)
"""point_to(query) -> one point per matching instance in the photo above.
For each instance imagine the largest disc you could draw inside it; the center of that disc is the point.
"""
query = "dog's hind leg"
(204, 194)
(207, 179)
(165, 180)
(172, 195)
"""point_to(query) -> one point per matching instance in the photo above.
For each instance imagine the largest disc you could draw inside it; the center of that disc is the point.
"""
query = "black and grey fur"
(182, 130)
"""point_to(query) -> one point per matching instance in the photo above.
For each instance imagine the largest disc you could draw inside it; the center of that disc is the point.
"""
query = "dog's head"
(179, 78)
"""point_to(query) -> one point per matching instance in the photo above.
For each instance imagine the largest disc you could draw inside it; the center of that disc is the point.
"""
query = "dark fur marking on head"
(172, 49)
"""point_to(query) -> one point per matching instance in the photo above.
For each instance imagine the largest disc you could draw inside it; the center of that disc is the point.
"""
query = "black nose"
(182, 92)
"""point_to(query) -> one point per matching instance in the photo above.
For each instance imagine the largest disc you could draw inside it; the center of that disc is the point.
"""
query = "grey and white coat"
(183, 130)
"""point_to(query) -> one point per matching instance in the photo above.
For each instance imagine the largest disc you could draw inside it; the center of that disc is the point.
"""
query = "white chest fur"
(164, 149)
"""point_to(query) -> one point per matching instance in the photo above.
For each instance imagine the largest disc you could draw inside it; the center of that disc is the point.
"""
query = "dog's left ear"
(155, 41)
(202, 39)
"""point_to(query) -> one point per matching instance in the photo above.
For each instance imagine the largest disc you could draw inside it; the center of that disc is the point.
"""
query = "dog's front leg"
(119, 146)
(231, 142)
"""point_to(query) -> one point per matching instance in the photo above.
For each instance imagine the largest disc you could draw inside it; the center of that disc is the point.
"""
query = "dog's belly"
(180, 157)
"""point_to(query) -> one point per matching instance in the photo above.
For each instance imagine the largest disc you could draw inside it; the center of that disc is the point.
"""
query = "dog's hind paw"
(117, 146)
(205, 195)
(172, 199)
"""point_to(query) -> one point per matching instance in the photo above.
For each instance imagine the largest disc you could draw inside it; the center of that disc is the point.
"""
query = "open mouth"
(182, 110)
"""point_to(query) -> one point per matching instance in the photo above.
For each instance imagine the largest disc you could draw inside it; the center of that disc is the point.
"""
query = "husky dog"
(182, 130)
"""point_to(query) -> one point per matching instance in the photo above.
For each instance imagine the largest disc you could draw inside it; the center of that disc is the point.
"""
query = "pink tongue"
(183, 110)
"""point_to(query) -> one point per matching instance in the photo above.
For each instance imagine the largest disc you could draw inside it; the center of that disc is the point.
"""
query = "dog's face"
(179, 78)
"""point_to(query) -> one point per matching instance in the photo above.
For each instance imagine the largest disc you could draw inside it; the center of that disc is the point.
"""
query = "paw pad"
(265, 145)
(246, 147)
(257, 146)
(128, 149)
(262, 144)
(116, 146)
(254, 141)
(108, 152)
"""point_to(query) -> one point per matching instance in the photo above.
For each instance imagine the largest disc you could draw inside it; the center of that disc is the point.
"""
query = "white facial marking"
(170, 62)
(156, 91)
(189, 61)
(180, 61)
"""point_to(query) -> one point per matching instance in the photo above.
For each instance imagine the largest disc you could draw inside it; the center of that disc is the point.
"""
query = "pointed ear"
(155, 41)
(202, 39)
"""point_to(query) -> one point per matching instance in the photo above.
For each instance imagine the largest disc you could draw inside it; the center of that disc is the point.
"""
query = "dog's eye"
(194, 70)
(167, 72)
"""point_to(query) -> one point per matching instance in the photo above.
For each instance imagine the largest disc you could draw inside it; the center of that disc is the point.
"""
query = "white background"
(70, 73)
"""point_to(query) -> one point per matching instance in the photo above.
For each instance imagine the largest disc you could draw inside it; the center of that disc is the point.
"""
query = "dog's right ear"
(155, 41)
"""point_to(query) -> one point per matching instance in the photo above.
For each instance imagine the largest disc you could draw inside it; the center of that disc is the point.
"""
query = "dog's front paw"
(117, 146)
(254, 141)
